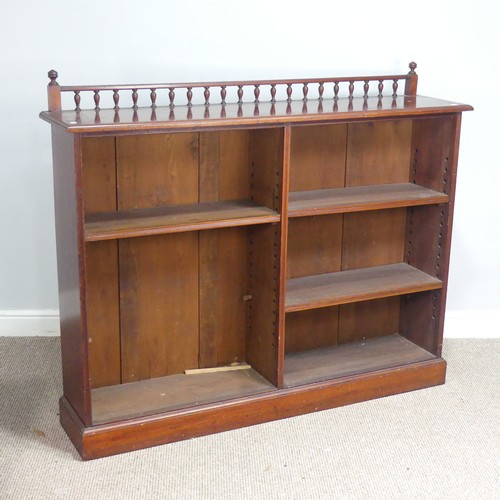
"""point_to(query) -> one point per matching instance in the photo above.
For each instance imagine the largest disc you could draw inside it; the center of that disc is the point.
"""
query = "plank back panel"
(156, 170)
(378, 152)
(314, 245)
(103, 315)
(368, 319)
(159, 305)
(311, 329)
(158, 275)
(317, 157)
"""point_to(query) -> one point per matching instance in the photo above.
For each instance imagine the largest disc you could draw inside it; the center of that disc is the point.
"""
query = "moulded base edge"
(119, 437)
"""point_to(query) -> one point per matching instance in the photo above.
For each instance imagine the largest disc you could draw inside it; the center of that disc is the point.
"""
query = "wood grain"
(317, 157)
(359, 284)
(373, 238)
(378, 153)
(368, 319)
(159, 305)
(314, 245)
(311, 329)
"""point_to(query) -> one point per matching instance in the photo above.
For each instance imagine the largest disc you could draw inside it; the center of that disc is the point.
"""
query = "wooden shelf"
(175, 219)
(345, 360)
(357, 199)
(323, 290)
(173, 392)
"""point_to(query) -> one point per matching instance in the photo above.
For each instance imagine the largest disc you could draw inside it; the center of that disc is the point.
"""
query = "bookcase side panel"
(428, 240)
(66, 151)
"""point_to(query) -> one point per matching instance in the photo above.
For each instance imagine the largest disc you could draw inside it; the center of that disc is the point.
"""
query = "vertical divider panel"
(103, 314)
(267, 186)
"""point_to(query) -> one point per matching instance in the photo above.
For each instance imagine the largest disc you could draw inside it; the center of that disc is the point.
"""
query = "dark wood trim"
(111, 439)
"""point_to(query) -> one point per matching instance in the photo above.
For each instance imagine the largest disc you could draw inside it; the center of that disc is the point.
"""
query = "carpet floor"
(442, 442)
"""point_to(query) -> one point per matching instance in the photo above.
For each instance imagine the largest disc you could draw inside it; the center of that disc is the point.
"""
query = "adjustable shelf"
(360, 198)
(324, 290)
(237, 252)
(175, 219)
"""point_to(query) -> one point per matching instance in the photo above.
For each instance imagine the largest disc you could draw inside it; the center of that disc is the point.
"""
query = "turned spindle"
(380, 88)
(223, 93)
(135, 97)
(351, 89)
(171, 96)
(321, 89)
(116, 99)
(289, 92)
(189, 95)
(97, 100)
(153, 98)
(77, 99)
(336, 91)
(206, 95)
(395, 88)
(273, 93)
(256, 93)
(366, 88)
(240, 94)
(305, 91)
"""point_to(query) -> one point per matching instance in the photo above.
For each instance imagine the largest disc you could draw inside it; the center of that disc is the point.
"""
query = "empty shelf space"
(331, 289)
(357, 199)
(350, 359)
(173, 392)
(173, 219)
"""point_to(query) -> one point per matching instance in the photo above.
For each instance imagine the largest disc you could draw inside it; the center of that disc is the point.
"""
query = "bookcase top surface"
(185, 117)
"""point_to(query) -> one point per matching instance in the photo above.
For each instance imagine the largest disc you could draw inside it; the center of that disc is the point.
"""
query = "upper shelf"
(356, 199)
(175, 219)
(249, 114)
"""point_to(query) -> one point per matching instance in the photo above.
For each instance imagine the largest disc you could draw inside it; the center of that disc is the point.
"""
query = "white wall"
(454, 43)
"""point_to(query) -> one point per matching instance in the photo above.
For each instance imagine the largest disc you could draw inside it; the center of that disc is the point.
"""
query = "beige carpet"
(438, 443)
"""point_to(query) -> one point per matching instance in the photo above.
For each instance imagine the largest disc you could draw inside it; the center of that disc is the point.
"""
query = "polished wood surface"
(199, 117)
(359, 284)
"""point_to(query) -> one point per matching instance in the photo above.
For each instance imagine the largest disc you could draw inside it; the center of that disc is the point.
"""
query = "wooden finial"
(53, 91)
(411, 81)
(52, 74)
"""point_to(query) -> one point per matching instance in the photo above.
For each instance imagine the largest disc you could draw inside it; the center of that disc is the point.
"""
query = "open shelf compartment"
(327, 363)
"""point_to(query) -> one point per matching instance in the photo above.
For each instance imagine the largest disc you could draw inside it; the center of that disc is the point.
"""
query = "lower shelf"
(162, 394)
(333, 362)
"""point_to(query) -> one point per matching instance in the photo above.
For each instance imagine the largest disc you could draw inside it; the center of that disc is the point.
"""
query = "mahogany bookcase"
(231, 253)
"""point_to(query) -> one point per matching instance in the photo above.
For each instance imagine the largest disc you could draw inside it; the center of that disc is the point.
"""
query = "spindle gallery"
(232, 253)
